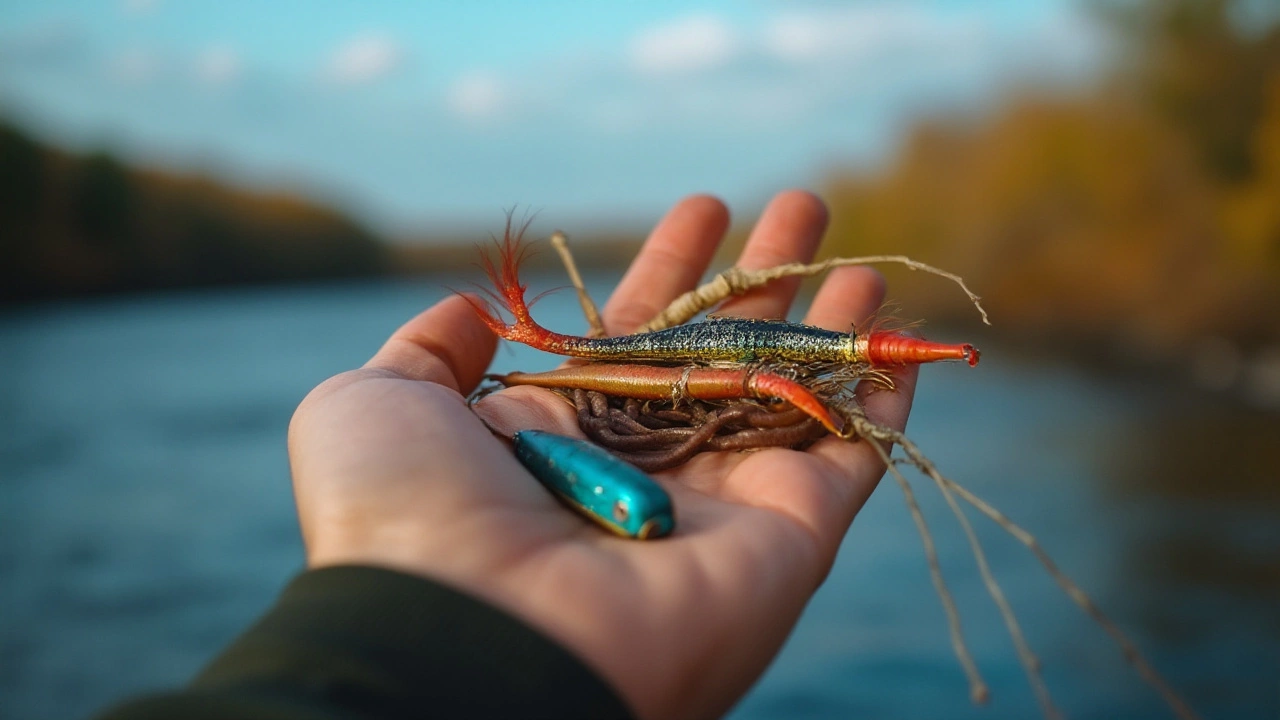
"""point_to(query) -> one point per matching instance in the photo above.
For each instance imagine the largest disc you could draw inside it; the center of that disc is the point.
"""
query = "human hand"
(391, 468)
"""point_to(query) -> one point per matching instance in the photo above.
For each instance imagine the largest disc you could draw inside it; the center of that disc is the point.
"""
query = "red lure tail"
(891, 348)
(884, 342)
(508, 294)
(877, 347)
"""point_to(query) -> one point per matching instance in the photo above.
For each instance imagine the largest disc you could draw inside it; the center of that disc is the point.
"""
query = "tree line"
(83, 224)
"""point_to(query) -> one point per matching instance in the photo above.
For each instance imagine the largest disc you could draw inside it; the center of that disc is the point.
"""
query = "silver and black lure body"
(737, 340)
(605, 489)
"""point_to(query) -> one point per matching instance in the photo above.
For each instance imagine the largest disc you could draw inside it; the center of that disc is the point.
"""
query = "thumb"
(446, 344)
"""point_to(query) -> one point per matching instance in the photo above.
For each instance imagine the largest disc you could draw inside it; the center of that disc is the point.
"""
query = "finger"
(850, 471)
(839, 478)
(789, 230)
(854, 468)
(671, 262)
(847, 299)
(446, 344)
(890, 407)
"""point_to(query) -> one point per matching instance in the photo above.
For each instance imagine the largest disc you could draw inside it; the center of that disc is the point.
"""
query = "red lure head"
(891, 348)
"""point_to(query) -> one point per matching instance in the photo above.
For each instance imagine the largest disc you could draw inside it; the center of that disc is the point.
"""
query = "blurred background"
(207, 208)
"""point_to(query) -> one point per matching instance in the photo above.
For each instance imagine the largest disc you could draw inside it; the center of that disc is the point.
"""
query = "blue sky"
(421, 115)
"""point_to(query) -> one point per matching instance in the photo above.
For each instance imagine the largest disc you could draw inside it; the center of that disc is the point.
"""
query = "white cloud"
(694, 43)
(796, 37)
(365, 58)
(863, 31)
(477, 95)
(218, 65)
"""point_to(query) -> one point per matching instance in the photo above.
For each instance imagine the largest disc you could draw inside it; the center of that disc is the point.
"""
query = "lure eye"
(621, 512)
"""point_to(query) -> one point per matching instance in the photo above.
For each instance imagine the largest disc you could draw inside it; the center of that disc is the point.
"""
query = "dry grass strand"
(736, 281)
(560, 242)
(978, 690)
(1130, 651)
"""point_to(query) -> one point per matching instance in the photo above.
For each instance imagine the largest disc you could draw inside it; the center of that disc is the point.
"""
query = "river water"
(146, 515)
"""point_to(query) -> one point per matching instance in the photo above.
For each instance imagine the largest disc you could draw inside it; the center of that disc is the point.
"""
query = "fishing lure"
(664, 393)
(598, 485)
(717, 340)
(653, 382)
(736, 340)
(673, 362)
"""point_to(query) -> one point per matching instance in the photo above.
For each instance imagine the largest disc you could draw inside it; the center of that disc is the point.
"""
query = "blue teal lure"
(602, 487)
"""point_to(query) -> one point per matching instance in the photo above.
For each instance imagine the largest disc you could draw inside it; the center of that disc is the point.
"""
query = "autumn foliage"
(73, 224)
(1144, 214)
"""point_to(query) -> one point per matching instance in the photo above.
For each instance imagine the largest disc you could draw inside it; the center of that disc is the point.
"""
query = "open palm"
(392, 468)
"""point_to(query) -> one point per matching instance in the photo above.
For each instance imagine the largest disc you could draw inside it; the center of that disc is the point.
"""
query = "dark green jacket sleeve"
(363, 642)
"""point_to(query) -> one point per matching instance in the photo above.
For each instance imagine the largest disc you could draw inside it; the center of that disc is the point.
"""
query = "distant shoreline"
(80, 226)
